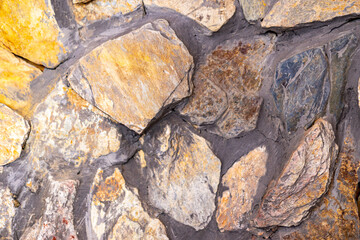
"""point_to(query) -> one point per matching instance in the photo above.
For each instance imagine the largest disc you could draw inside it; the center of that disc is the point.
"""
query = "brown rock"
(182, 174)
(113, 201)
(66, 127)
(209, 13)
(14, 131)
(7, 212)
(290, 13)
(89, 11)
(336, 217)
(227, 85)
(303, 181)
(30, 29)
(136, 75)
(242, 180)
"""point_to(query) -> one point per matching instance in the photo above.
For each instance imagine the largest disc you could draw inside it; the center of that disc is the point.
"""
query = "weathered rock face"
(14, 131)
(337, 215)
(15, 78)
(254, 9)
(303, 181)
(57, 219)
(94, 10)
(134, 76)
(33, 30)
(209, 13)
(227, 85)
(182, 174)
(294, 12)
(7, 210)
(242, 180)
(112, 201)
(341, 51)
(302, 88)
(66, 127)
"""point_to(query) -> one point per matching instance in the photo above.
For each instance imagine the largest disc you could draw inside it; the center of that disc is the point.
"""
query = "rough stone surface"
(290, 13)
(113, 201)
(14, 131)
(227, 85)
(30, 29)
(57, 219)
(15, 78)
(7, 210)
(91, 11)
(242, 180)
(302, 88)
(209, 13)
(254, 9)
(182, 174)
(134, 76)
(66, 127)
(303, 181)
(336, 217)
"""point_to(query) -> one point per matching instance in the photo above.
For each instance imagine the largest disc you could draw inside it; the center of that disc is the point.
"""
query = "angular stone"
(31, 29)
(91, 11)
(57, 219)
(291, 13)
(337, 215)
(113, 202)
(182, 174)
(340, 51)
(301, 88)
(66, 127)
(242, 181)
(14, 131)
(254, 9)
(15, 78)
(303, 181)
(136, 75)
(227, 85)
(209, 13)
(7, 212)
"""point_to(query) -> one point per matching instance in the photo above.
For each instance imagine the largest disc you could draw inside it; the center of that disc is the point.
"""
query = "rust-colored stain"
(108, 190)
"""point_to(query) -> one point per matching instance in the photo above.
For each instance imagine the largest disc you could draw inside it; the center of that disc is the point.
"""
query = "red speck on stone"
(54, 238)
(65, 221)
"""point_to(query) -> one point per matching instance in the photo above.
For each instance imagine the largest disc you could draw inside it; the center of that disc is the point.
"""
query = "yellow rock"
(15, 78)
(111, 200)
(91, 11)
(29, 29)
(242, 180)
(209, 13)
(13, 133)
(134, 76)
(254, 9)
(290, 13)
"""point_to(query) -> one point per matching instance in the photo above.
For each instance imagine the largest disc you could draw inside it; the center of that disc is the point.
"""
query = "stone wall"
(193, 119)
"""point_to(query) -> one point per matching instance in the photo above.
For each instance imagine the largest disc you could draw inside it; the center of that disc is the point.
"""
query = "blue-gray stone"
(301, 88)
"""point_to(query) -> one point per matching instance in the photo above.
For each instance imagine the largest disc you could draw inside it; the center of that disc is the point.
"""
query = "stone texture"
(302, 88)
(66, 127)
(336, 217)
(57, 219)
(254, 9)
(7, 210)
(14, 131)
(182, 174)
(340, 51)
(15, 78)
(242, 181)
(227, 85)
(91, 11)
(113, 201)
(290, 13)
(136, 75)
(30, 29)
(209, 13)
(303, 181)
